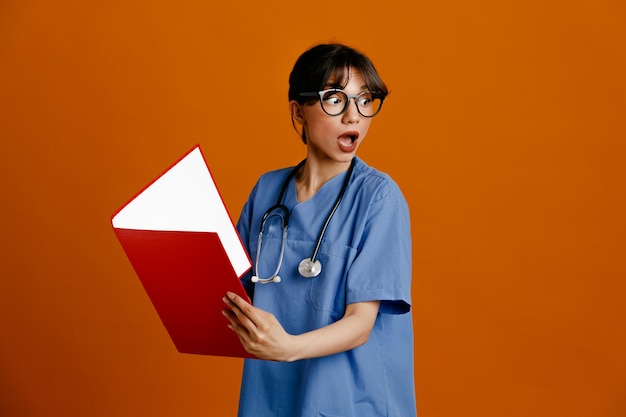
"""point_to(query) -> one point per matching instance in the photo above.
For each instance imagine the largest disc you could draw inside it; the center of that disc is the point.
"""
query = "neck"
(314, 174)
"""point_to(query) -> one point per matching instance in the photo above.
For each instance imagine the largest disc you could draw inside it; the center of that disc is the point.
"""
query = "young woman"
(331, 245)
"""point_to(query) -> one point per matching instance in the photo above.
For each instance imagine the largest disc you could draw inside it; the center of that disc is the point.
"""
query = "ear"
(296, 112)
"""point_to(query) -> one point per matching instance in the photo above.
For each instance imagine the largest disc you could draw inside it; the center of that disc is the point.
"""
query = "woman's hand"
(260, 332)
(262, 335)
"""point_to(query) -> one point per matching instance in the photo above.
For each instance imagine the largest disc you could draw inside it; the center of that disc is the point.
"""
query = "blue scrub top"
(365, 256)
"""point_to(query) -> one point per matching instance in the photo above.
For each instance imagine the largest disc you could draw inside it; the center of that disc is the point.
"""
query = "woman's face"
(334, 138)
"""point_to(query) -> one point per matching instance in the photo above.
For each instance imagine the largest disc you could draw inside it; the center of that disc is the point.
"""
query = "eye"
(365, 99)
(333, 98)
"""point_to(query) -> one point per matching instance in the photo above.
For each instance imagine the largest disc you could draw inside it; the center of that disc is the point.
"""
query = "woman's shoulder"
(375, 181)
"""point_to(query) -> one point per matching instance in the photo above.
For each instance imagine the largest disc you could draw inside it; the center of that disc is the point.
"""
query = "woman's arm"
(262, 335)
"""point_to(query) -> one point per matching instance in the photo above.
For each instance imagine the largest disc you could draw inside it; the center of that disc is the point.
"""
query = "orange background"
(505, 129)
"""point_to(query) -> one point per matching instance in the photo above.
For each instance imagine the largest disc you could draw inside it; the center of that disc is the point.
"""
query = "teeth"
(348, 139)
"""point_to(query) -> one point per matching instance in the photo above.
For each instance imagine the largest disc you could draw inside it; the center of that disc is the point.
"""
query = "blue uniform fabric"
(365, 256)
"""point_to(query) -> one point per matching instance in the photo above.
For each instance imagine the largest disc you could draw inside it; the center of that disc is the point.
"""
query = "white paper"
(185, 199)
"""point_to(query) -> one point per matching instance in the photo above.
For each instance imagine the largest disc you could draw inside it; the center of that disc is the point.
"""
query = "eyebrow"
(338, 86)
(333, 85)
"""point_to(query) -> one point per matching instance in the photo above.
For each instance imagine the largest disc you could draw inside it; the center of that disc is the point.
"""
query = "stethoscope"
(308, 267)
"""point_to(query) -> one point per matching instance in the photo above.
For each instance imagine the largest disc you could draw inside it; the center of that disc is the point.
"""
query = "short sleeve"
(382, 268)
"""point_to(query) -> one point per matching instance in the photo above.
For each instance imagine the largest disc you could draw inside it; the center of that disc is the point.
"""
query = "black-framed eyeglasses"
(336, 101)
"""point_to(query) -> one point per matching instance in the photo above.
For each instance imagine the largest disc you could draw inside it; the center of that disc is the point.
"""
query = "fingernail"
(230, 295)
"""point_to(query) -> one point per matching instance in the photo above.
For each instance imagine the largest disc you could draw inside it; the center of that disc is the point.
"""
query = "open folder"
(185, 249)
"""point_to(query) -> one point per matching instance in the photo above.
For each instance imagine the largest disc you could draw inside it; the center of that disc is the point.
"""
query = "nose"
(351, 115)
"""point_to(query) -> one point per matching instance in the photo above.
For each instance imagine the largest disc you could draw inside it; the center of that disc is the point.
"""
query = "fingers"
(259, 331)
(235, 325)
(245, 313)
(236, 299)
(240, 322)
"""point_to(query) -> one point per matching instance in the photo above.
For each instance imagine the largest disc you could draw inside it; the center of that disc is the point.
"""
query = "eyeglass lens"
(335, 102)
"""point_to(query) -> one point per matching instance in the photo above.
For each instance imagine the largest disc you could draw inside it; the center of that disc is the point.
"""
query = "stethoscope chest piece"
(309, 268)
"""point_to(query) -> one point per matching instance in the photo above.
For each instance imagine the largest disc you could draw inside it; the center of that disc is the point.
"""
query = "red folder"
(186, 252)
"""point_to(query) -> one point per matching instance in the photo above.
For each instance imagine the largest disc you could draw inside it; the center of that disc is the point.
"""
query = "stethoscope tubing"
(309, 267)
(344, 186)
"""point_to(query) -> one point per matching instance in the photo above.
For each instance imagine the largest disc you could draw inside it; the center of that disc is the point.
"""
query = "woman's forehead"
(342, 76)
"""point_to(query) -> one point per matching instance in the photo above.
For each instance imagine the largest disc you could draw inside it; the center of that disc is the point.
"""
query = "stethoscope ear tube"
(270, 212)
(274, 277)
(256, 279)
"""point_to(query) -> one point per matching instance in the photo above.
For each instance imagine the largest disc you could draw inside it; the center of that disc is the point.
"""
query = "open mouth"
(348, 141)
(351, 135)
